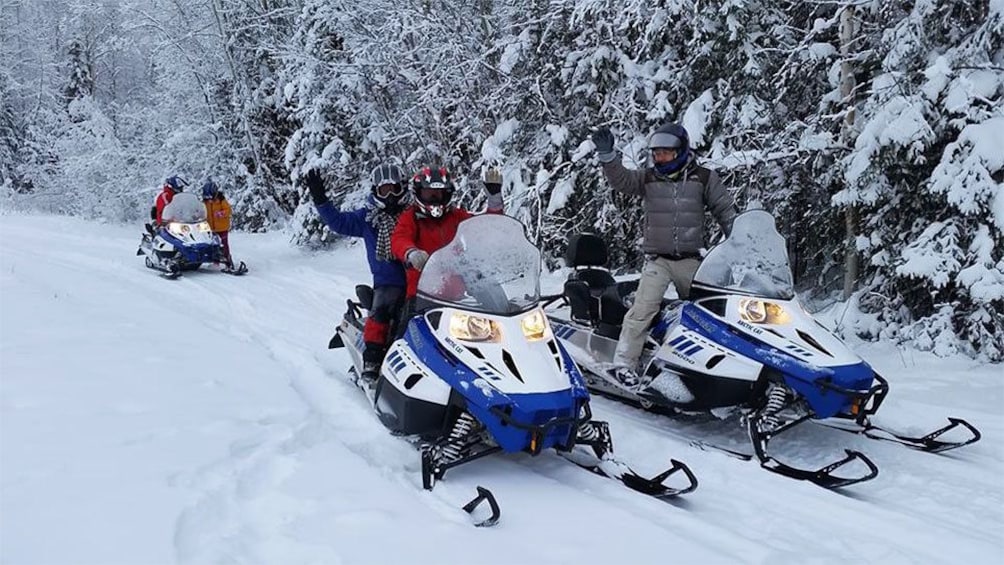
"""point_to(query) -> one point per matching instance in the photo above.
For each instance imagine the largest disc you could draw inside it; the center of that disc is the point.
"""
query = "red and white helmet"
(433, 191)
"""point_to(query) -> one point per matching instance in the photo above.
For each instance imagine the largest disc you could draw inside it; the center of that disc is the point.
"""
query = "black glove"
(603, 140)
(493, 181)
(315, 184)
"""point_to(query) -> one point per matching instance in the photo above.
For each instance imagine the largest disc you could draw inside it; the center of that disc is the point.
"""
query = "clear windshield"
(490, 266)
(186, 207)
(753, 259)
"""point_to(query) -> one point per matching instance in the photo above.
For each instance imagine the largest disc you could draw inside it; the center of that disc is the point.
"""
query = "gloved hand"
(416, 258)
(603, 140)
(493, 181)
(315, 184)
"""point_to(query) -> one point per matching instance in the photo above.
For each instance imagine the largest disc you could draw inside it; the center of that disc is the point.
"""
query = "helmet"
(210, 190)
(671, 136)
(386, 186)
(433, 191)
(176, 184)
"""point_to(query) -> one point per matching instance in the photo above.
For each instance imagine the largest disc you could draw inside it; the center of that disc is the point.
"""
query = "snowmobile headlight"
(760, 312)
(203, 226)
(534, 326)
(177, 228)
(473, 328)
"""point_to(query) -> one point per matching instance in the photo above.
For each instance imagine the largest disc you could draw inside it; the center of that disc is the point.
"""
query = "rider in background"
(172, 186)
(218, 213)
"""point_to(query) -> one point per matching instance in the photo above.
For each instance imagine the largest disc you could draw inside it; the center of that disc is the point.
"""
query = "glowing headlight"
(534, 326)
(760, 312)
(178, 228)
(473, 328)
(204, 226)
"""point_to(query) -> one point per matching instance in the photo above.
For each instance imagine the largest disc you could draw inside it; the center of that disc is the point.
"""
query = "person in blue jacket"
(374, 222)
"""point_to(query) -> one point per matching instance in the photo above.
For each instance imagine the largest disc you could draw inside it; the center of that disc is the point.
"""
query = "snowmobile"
(477, 370)
(184, 242)
(742, 344)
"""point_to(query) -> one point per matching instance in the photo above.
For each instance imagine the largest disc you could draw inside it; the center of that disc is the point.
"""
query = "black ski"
(705, 446)
(928, 443)
(237, 270)
(611, 468)
(822, 477)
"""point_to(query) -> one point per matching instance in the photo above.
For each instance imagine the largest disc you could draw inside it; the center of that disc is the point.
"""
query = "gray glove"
(416, 258)
(493, 181)
(604, 142)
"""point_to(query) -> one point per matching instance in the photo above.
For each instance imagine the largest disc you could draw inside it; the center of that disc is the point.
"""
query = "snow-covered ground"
(203, 420)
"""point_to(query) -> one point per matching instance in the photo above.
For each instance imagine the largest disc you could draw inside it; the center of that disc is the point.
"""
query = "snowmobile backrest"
(586, 250)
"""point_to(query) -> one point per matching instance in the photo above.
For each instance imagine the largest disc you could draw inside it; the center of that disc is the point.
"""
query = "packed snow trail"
(204, 420)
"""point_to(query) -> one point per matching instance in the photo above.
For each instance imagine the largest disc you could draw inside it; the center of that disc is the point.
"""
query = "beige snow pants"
(655, 279)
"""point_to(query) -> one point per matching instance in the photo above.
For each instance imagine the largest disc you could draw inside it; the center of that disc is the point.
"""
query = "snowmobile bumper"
(558, 433)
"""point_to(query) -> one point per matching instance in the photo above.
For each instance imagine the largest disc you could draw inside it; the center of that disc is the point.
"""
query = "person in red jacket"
(172, 186)
(431, 221)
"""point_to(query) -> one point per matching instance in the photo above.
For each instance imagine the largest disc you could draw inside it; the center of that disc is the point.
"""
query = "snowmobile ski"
(611, 468)
(928, 443)
(236, 270)
(602, 463)
(822, 477)
(484, 495)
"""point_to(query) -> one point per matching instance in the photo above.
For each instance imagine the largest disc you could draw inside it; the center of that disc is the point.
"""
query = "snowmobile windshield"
(490, 266)
(753, 259)
(186, 208)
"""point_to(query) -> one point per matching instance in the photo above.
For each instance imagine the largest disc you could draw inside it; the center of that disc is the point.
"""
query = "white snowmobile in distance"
(477, 369)
(184, 242)
(742, 341)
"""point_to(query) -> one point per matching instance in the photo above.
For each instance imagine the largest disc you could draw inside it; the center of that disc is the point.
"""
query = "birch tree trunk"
(847, 84)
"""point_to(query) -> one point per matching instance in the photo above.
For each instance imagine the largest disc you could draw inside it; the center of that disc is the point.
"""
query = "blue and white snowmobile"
(741, 341)
(477, 369)
(184, 242)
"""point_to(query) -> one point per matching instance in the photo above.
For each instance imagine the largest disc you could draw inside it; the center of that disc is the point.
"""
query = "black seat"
(594, 296)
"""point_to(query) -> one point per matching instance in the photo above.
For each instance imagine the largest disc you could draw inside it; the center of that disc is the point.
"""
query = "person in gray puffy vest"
(675, 193)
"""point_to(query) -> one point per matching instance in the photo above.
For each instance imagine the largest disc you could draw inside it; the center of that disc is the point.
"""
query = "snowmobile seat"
(594, 296)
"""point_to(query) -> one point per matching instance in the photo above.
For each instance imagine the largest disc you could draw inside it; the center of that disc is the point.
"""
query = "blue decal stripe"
(678, 340)
(693, 350)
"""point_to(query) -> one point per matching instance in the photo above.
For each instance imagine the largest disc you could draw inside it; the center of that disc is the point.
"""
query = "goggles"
(385, 190)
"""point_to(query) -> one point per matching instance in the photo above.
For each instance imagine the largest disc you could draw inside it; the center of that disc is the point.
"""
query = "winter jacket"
(218, 214)
(428, 234)
(354, 224)
(163, 199)
(674, 205)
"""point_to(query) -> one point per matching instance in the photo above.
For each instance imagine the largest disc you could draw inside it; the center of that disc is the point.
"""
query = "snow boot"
(627, 377)
(372, 358)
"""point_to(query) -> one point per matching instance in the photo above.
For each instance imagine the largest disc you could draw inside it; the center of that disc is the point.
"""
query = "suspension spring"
(587, 432)
(457, 439)
(777, 397)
